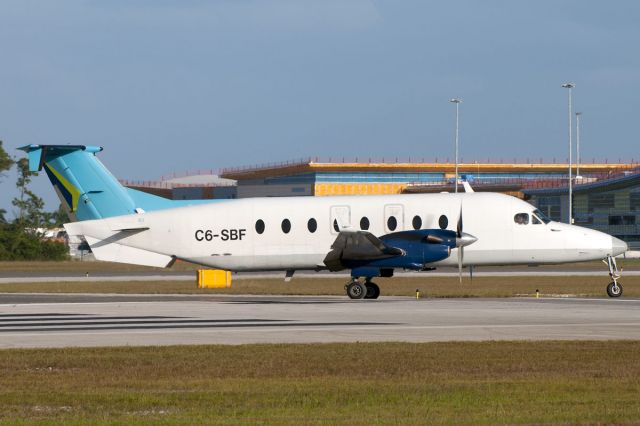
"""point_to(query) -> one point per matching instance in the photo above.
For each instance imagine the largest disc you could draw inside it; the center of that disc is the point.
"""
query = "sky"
(172, 86)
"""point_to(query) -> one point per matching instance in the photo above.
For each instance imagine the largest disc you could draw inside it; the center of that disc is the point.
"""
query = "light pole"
(578, 115)
(457, 102)
(570, 86)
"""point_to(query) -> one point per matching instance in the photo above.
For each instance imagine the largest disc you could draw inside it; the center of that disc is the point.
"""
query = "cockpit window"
(521, 218)
(541, 216)
(535, 220)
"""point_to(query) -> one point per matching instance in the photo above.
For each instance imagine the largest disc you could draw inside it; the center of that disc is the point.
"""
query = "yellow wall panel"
(358, 189)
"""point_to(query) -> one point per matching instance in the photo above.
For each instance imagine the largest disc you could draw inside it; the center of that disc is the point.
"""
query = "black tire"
(614, 290)
(356, 290)
(373, 291)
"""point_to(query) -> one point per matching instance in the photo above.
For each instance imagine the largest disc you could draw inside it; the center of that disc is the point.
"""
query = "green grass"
(590, 286)
(359, 383)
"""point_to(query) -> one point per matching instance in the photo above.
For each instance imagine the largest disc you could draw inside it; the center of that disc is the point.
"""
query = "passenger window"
(286, 226)
(416, 222)
(392, 223)
(364, 223)
(521, 218)
(312, 225)
(259, 226)
(443, 222)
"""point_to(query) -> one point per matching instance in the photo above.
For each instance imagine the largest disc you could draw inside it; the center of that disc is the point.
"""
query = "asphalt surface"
(63, 320)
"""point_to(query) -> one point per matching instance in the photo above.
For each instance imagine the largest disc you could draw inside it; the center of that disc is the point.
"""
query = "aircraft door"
(393, 218)
(340, 218)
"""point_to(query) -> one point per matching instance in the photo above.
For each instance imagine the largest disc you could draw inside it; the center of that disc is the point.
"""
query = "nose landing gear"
(367, 290)
(614, 289)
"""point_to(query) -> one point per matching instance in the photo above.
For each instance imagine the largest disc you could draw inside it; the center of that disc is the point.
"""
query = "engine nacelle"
(419, 248)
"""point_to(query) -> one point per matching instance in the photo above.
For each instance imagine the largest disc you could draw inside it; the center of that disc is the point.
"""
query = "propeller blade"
(471, 273)
(462, 238)
(461, 247)
(460, 258)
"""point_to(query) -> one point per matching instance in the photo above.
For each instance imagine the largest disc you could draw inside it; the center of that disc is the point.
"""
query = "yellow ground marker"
(214, 278)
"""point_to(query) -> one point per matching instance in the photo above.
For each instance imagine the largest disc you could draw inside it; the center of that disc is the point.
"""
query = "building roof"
(631, 179)
(195, 180)
(201, 180)
(294, 168)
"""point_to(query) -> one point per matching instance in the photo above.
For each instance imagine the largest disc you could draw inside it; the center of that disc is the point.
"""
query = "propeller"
(462, 239)
(460, 247)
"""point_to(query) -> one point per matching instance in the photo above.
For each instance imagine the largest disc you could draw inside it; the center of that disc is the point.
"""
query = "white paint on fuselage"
(487, 216)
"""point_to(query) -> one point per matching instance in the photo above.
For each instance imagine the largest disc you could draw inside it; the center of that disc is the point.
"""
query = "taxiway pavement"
(26, 277)
(63, 320)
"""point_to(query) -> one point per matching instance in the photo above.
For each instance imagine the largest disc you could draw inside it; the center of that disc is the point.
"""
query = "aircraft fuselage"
(258, 234)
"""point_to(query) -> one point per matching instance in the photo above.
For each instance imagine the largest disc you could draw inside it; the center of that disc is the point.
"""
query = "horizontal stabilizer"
(114, 252)
(133, 223)
(119, 227)
(134, 229)
(39, 153)
(106, 242)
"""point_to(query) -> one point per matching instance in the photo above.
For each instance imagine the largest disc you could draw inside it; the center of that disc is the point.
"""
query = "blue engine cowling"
(420, 247)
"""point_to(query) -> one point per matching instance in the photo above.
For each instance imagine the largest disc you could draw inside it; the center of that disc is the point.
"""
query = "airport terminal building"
(608, 205)
(314, 178)
(606, 196)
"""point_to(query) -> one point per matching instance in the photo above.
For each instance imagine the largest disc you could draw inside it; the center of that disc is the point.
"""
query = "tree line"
(21, 238)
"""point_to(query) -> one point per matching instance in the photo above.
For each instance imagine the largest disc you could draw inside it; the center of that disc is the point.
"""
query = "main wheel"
(373, 291)
(614, 289)
(356, 290)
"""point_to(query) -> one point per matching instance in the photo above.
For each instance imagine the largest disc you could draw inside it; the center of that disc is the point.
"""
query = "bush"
(18, 244)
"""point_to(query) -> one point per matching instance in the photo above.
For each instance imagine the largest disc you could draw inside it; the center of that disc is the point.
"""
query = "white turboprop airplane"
(372, 236)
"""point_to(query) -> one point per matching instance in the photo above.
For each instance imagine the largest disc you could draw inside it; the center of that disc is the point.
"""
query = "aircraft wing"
(358, 246)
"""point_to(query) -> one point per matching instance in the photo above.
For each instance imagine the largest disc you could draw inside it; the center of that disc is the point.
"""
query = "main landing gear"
(366, 290)
(614, 289)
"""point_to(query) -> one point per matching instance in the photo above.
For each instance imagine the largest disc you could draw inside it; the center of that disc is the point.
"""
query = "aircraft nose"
(618, 246)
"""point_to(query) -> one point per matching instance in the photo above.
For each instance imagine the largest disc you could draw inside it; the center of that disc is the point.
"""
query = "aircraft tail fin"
(85, 187)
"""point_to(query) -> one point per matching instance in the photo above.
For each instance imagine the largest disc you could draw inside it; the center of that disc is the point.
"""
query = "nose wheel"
(367, 290)
(614, 289)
